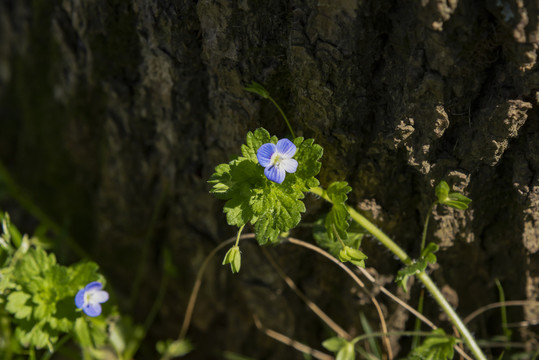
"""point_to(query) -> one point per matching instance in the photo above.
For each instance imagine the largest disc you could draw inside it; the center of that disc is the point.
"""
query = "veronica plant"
(265, 186)
(37, 292)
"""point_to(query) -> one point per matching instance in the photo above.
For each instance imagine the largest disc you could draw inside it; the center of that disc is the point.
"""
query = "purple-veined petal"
(92, 310)
(100, 296)
(289, 165)
(264, 154)
(275, 174)
(79, 298)
(286, 148)
(94, 285)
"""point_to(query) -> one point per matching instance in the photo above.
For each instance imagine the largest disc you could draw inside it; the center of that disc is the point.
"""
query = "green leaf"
(82, 332)
(251, 198)
(18, 305)
(347, 352)
(436, 347)
(171, 349)
(334, 344)
(410, 270)
(256, 88)
(451, 199)
(338, 216)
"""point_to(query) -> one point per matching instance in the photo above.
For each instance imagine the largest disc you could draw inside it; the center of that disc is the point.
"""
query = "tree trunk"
(114, 114)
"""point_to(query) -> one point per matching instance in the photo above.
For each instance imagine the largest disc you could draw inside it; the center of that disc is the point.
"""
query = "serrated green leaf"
(255, 140)
(436, 347)
(410, 270)
(338, 217)
(272, 208)
(334, 344)
(18, 304)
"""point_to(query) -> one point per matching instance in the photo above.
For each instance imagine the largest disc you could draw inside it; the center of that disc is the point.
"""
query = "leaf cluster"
(436, 347)
(418, 266)
(336, 234)
(251, 198)
(37, 291)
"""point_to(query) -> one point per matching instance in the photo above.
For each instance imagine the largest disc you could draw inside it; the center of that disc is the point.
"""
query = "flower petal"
(264, 154)
(94, 285)
(275, 174)
(92, 310)
(100, 296)
(289, 165)
(286, 148)
(79, 298)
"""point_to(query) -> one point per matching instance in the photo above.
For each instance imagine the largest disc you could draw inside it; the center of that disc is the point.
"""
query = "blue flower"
(90, 298)
(277, 159)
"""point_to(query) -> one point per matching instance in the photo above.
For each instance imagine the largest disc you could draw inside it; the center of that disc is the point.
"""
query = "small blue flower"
(90, 298)
(277, 159)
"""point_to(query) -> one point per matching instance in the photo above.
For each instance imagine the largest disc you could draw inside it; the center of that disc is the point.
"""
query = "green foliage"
(256, 88)
(436, 347)
(343, 349)
(452, 199)
(233, 257)
(355, 256)
(172, 349)
(251, 198)
(337, 220)
(335, 236)
(38, 292)
(354, 236)
(418, 266)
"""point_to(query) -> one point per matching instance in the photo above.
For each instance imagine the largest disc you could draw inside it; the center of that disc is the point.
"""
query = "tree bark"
(114, 114)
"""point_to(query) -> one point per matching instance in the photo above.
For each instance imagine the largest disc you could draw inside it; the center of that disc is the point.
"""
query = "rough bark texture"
(114, 113)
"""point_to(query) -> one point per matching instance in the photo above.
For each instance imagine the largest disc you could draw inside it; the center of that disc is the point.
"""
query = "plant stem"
(284, 116)
(239, 234)
(425, 227)
(448, 309)
(425, 279)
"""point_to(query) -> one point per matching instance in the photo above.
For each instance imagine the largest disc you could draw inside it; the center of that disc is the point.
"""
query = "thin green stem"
(284, 116)
(239, 235)
(423, 277)
(57, 346)
(337, 236)
(417, 325)
(425, 227)
(448, 309)
(501, 293)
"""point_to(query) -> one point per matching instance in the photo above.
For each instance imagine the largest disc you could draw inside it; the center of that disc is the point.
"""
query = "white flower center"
(275, 159)
(89, 297)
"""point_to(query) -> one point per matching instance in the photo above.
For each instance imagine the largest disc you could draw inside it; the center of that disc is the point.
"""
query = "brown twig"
(319, 312)
(291, 342)
(327, 255)
(495, 305)
(198, 282)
